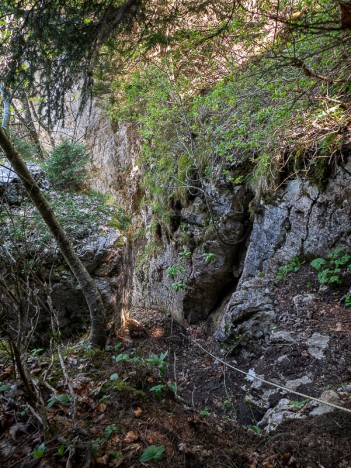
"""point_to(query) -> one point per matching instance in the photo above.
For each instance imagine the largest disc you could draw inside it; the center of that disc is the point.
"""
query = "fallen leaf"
(268, 464)
(101, 407)
(36, 370)
(138, 411)
(131, 437)
(134, 448)
(104, 460)
(7, 372)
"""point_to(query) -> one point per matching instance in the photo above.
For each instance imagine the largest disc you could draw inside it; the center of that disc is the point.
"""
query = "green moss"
(127, 389)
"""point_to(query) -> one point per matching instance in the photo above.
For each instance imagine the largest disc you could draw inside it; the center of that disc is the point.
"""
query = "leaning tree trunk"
(91, 294)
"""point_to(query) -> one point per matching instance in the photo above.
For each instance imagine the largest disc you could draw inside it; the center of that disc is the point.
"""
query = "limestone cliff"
(206, 262)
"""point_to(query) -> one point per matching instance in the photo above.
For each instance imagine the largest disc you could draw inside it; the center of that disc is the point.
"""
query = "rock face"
(212, 226)
(199, 262)
(301, 222)
(11, 189)
(293, 333)
(248, 317)
(208, 252)
(30, 262)
(105, 258)
(113, 149)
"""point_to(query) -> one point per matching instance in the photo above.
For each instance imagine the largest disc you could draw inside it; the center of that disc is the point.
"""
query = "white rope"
(254, 376)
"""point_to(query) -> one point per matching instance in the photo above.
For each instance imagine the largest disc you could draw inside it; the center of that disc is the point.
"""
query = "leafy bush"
(66, 167)
(332, 270)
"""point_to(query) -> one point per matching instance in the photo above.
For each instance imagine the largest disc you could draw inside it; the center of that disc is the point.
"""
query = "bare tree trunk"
(91, 294)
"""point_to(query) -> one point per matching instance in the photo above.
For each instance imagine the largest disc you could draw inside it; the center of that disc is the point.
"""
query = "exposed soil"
(209, 421)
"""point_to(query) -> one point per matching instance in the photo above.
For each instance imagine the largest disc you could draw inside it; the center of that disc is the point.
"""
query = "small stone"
(317, 344)
(282, 336)
(303, 304)
(296, 383)
(329, 396)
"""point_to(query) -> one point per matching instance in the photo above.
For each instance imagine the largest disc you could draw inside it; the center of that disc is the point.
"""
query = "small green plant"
(153, 453)
(228, 406)
(95, 447)
(118, 345)
(161, 388)
(36, 352)
(40, 451)
(26, 149)
(5, 388)
(64, 399)
(109, 430)
(254, 428)
(319, 263)
(175, 270)
(159, 361)
(330, 276)
(178, 285)
(186, 254)
(298, 404)
(66, 167)
(104, 398)
(204, 412)
(347, 301)
(116, 455)
(126, 357)
(209, 256)
(61, 450)
(339, 258)
(293, 266)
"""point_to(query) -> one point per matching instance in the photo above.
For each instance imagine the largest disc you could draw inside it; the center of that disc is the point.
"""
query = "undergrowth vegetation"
(278, 112)
(80, 214)
(67, 165)
(333, 271)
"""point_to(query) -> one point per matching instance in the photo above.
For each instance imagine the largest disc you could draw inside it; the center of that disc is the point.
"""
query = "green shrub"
(26, 149)
(332, 270)
(66, 167)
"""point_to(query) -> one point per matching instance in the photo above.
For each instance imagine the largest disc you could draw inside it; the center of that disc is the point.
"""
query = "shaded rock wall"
(298, 220)
(216, 222)
(212, 237)
(113, 149)
(301, 221)
(105, 257)
(32, 268)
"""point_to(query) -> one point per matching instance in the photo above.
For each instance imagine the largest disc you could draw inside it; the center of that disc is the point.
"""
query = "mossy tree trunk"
(91, 294)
